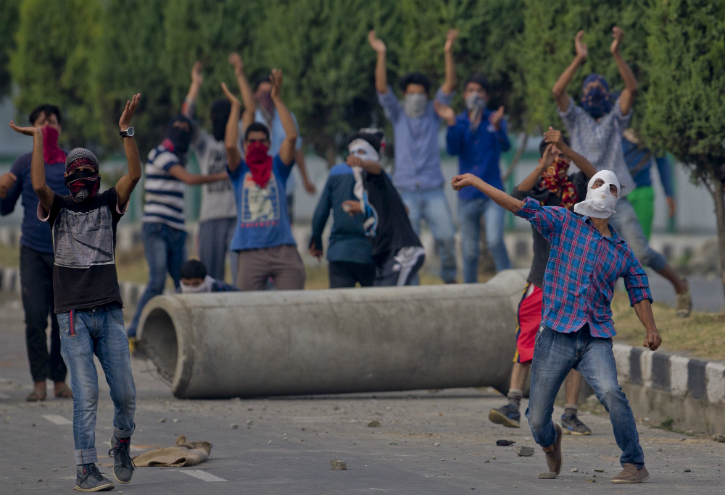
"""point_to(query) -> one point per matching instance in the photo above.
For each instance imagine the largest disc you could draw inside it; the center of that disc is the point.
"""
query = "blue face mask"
(597, 102)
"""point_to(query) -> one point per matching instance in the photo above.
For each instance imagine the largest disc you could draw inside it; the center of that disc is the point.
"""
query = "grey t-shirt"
(541, 245)
(217, 198)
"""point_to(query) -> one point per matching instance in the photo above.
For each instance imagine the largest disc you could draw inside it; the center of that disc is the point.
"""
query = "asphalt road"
(428, 442)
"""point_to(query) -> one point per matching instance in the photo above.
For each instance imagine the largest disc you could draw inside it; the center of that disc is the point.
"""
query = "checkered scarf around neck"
(554, 178)
(82, 183)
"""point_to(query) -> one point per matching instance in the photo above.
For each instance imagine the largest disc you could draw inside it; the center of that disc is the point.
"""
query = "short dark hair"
(478, 78)
(193, 269)
(415, 78)
(261, 76)
(256, 127)
(47, 109)
(374, 137)
(221, 107)
(543, 144)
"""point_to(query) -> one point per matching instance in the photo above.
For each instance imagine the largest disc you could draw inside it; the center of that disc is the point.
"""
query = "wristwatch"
(127, 133)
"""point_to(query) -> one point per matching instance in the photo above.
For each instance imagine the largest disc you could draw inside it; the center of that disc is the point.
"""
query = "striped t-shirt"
(164, 193)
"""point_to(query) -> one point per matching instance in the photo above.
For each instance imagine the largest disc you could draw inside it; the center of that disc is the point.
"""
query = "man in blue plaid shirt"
(586, 259)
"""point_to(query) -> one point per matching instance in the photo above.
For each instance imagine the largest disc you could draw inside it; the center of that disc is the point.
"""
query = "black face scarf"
(220, 111)
(179, 137)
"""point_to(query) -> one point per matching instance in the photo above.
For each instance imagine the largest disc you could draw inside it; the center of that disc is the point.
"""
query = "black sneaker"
(90, 479)
(507, 415)
(572, 426)
(123, 465)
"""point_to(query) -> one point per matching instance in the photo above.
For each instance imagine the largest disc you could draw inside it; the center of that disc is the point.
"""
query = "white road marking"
(58, 420)
(202, 475)
(132, 447)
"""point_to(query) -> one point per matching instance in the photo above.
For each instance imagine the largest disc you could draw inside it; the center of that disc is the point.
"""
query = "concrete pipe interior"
(159, 341)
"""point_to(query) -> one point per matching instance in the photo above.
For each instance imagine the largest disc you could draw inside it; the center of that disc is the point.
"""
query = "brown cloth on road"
(180, 455)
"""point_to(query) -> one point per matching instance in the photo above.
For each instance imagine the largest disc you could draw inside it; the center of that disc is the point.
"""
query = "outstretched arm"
(247, 95)
(630, 82)
(196, 81)
(499, 197)
(287, 150)
(559, 89)
(371, 166)
(231, 136)
(37, 165)
(450, 83)
(127, 183)
(381, 77)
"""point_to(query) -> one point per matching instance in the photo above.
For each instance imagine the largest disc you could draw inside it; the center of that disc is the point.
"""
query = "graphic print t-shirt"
(217, 198)
(262, 219)
(84, 242)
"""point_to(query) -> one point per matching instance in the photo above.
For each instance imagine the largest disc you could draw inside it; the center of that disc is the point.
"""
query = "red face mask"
(51, 152)
(555, 179)
(259, 163)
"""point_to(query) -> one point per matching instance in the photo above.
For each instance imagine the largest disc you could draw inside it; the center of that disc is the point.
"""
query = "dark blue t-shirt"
(262, 219)
(35, 234)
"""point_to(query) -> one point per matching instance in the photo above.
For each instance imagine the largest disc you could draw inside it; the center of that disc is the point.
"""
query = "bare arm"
(196, 81)
(533, 178)
(555, 137)
(381, 76)
(644, 312)
(559, 89)
(287, 150)
(179, 172)
(231, 136)
(450, 83)
(247, 95)
(630, 82)
(371, 166)
(127, 183)
(499, 197)
(37, 165)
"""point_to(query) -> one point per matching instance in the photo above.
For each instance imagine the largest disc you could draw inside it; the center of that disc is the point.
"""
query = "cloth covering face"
(600, 202)
(202, 288)
(366, 151)
(182, 454)
(555, 178)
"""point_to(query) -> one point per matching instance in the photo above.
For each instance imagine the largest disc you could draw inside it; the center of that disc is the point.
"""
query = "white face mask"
(203, 287)
(415, 104)
(600, 202)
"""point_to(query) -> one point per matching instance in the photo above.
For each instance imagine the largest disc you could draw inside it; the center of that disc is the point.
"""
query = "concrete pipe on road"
(273, 343)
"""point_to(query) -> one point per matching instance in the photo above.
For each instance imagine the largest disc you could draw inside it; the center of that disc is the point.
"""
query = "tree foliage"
(548, 48)
(52, 62)
(8, 25)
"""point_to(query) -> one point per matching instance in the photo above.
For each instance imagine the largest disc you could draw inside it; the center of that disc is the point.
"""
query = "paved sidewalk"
(428, 442)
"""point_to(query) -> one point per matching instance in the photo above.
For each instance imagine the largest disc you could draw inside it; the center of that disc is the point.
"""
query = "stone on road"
(307, 432)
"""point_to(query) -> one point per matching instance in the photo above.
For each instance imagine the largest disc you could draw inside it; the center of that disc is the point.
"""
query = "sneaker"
(630, 474)
(554, 459)
(123, 465)
(506, 415)
(90, 479)
(572, 426)
(684, 303)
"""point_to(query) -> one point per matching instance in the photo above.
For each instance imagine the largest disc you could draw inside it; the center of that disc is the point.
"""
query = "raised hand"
(28, 131)
(548, 157)
(276, 79)
(230, 96)
(581, 48)
(354, 161)
(445, 112)
(553, 137)
(128, 112)
(236, 61)
(6, 182)
(451, 36)
(376, 42)
(617, 34)
(496, 118)
(461, 181)
(196, 76)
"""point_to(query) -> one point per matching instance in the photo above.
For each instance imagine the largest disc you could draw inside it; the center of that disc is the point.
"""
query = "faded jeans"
(98, 331)
(432, 205)
(627, 224)
(555, 354)
(165, 250)
(470, 212)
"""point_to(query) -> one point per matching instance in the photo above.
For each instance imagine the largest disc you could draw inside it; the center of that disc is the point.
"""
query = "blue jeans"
(165, 250)
(432, 205)
(627, 224)
(470, 212)
(555, 354)
(98, 331)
